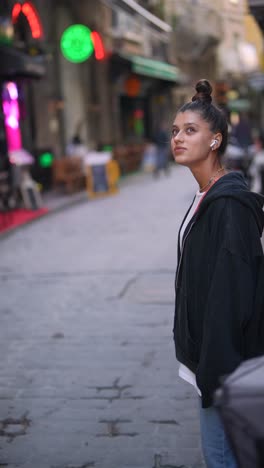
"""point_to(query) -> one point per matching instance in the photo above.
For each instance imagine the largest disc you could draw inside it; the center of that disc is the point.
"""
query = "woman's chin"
(181, 160)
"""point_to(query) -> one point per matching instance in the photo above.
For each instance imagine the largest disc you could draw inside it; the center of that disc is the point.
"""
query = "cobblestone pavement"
(88, 374)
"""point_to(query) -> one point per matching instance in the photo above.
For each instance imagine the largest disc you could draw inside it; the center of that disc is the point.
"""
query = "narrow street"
(88, 372)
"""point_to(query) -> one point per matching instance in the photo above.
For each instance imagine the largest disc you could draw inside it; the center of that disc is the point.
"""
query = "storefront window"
(135, 118)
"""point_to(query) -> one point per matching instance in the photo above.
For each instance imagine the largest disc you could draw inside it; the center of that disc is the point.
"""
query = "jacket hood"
(234, 185)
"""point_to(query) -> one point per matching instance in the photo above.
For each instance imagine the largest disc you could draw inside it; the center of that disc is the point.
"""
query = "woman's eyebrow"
(186, 124)
(191, 123)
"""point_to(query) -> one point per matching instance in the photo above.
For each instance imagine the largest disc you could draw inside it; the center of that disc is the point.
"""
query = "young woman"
(219, 256)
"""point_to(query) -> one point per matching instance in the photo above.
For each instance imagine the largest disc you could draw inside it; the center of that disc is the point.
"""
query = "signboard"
(76, 43)
(101, 179)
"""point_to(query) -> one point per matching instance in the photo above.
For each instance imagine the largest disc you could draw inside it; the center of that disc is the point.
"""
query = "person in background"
(256, 169)
(161, 139)
(242, 135)
(242, 132)
(219, 258)
(149, 156)
(76, 148)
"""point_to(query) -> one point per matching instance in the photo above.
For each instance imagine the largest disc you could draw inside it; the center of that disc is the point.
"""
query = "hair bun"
(204, 91)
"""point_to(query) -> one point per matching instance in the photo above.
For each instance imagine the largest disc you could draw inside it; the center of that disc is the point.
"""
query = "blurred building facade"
(120, 96)
(150, 54)
(197, 33)
(22, 68)
(209, 40)
(143, 74)
(256, 8)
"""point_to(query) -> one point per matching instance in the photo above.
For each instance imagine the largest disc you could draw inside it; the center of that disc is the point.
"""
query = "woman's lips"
(179, 149)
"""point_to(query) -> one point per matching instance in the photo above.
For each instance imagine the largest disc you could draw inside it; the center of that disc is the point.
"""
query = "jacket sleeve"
(229, 307)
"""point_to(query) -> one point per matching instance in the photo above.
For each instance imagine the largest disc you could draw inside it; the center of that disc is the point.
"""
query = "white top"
(185, 373)
(198, 197)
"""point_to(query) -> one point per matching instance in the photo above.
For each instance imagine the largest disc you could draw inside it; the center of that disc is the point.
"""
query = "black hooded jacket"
(217, 273)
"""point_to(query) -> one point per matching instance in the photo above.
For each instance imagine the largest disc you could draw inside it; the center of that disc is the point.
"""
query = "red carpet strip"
(16, 218)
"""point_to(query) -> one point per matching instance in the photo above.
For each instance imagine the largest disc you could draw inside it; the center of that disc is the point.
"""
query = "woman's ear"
(218, 138)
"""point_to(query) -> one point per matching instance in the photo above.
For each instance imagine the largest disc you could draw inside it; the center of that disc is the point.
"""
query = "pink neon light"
(11, 113)
(32, 16)
(12, 122)
(12, 90)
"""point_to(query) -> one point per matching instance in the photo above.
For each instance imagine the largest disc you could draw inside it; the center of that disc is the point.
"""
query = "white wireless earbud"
(213, 143)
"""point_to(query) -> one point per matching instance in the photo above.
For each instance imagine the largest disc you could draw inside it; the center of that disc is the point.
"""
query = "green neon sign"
(76, 43)
(45, 159)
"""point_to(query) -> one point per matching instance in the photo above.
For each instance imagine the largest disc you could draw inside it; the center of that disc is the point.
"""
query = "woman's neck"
(206, 176)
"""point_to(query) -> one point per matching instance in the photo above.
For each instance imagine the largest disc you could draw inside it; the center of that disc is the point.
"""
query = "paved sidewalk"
(55, 201)
(88, 371)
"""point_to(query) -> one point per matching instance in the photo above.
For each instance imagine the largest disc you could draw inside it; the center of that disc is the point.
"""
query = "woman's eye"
(174, 132)
(190, 130)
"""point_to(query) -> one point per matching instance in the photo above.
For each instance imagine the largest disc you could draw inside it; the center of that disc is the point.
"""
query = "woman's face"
(191, 139)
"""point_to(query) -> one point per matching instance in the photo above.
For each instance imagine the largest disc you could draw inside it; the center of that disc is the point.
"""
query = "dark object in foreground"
(240, 401)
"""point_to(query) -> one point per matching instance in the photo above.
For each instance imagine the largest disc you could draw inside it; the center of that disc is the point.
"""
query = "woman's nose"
(178, 136)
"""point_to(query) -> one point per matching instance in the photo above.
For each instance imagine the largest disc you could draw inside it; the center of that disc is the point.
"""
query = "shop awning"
(16, 64)
(154, 68)
(239, 105)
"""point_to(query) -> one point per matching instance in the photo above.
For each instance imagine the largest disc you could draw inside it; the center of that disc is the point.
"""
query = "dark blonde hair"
(202, 102)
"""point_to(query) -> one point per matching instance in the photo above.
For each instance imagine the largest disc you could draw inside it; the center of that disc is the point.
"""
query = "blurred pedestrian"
(242, 136)
(242, 131)
(219, 255)
(76, 148)
(256, 169)
(162, 142)
(149, 156)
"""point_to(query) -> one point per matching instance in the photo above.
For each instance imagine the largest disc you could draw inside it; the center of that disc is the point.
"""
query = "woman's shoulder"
(231, 214)
(226, 207)
(230, 205)
(237, 226)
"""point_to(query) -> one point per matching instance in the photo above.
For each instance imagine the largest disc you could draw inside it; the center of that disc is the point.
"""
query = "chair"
(69, 173)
